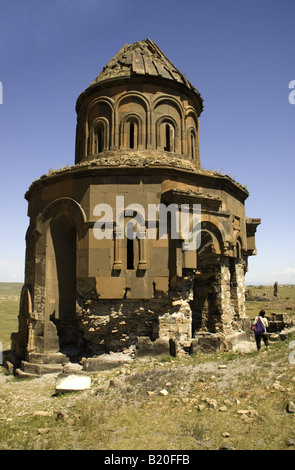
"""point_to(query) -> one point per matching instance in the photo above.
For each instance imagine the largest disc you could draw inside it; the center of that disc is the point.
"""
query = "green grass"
(284, 303)
(9, 308)
(128, 418)
(131, 418)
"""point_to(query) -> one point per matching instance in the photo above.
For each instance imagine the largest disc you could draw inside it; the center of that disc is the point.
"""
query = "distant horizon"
(246, 285)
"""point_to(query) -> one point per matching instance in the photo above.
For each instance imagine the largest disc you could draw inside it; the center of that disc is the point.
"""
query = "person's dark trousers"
(258, 340)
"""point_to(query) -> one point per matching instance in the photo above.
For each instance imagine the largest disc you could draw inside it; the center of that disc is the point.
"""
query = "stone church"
(137, 141)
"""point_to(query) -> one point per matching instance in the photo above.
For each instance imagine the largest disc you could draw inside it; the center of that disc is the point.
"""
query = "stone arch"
(80, 150)
(192, 134)
(192, 143)
(99, 135)
(24, 320)
(131, 131)
(169, 100)
(133, 95)
(65, 204)
(213, 229)
(167, 111)
(133, 108)
(167, 127)
(212, 241)
(133, 251)
(239, 245)
(100, 108)
(60, 227)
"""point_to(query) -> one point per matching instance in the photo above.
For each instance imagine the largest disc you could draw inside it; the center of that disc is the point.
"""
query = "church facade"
(110, 263)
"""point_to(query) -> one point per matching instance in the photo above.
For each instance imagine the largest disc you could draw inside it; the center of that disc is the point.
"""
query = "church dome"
(142, 58)
(140, 101)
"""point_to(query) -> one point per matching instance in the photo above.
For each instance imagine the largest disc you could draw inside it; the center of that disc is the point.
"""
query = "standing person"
(260, 325)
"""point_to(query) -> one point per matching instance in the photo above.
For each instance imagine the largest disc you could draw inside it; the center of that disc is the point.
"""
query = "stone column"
(117, 265)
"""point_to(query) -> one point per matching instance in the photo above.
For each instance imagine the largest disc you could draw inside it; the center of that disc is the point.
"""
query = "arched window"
(192, 151)
(130, 253)
(131, 132)
(98, 139)
(167, 138)
(99, 136)
(133, 135)
(167, 135)
(192, 143)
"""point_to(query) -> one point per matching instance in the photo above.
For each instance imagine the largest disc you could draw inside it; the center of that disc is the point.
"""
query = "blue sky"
(239, 54)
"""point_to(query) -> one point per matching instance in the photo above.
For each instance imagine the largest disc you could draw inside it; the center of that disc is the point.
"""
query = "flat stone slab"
(72, 382)
(106, 362)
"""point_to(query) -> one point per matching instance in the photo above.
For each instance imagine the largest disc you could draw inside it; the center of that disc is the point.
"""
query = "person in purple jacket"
(260, 326)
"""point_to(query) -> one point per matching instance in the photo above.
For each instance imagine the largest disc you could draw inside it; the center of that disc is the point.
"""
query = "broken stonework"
(209, 343)
(146, 347)
(89, 288)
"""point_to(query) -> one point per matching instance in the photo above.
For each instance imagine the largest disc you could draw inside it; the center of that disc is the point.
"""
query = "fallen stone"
(200, 407)
(290, 407)
(42, 413)
(71, 383)
(226, 446)
(164, 392)
(223, 408)
(72, 368)
(117, 383)
(43, 430)
(290, 441)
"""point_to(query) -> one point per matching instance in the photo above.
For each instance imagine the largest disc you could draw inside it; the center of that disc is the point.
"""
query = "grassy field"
(9, 307)
(235, 400)
(262, 298)
(211, 401)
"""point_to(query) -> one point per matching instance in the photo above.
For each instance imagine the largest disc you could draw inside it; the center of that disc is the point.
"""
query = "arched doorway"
(61, 280)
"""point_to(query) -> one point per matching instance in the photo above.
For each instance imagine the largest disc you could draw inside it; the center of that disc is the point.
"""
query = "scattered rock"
(200, 407)
(117, 383)
(164, 392)
(60, 414)
(290, 441)
(243, 412)
(211, 402)
(223, 408)
(290, 407)
(72, 368)
(226, 446)
(43, 430)
(226, 434)
(278, 386)
(41, 413)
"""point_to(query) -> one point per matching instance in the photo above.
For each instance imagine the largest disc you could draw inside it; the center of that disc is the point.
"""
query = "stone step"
(48, 358)
(24, 375)
(40, 369)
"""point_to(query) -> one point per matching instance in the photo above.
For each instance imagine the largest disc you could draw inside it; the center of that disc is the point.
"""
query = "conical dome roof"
(142, 58)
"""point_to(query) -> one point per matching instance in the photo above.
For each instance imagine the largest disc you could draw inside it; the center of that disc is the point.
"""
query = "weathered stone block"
(206, 344)
(161, 347)
(144, 347)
